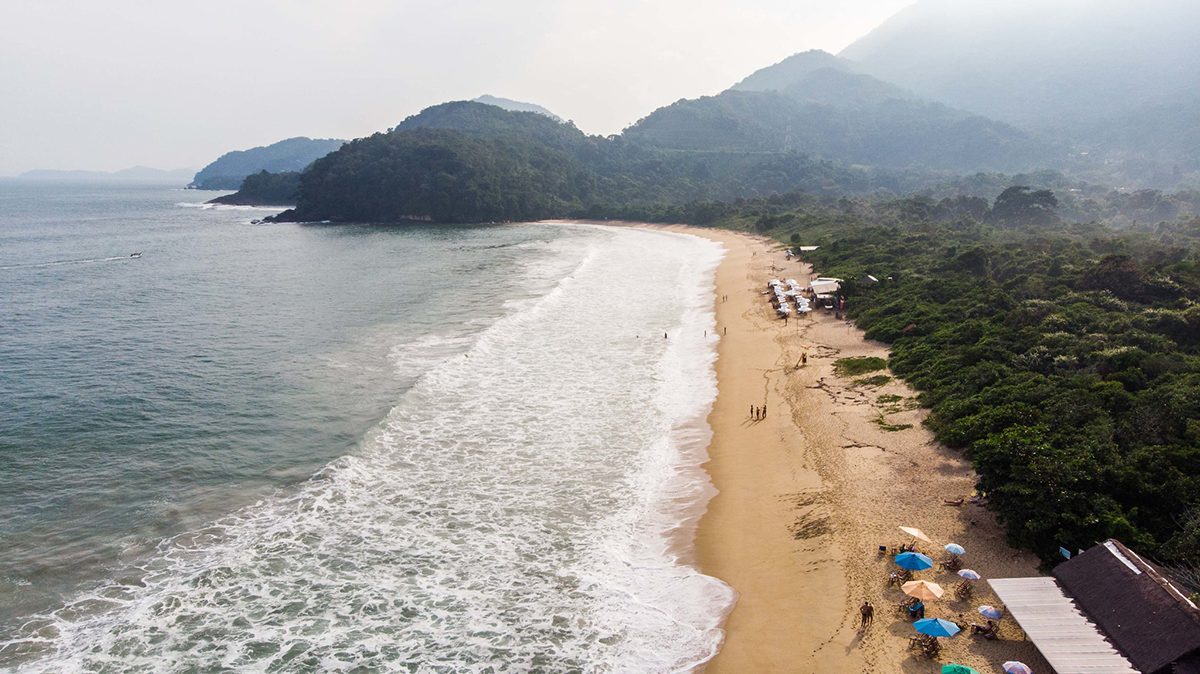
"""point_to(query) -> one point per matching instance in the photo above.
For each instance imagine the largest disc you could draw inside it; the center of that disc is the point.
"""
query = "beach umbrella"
(990, 612)
(914, 561)
(970, 574)
(936, 627)
(923, 590)
(916, 533)
(958, 669)
(955, 549)
(1014, 667)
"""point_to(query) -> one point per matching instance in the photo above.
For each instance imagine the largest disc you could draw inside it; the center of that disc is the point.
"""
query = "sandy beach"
(808, 494)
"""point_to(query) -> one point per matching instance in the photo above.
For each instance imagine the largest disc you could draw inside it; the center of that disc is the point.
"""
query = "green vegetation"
(1063, 359)
(877, 380)
(264, 189)
(852, 367)
(470, 162)
(883, 423)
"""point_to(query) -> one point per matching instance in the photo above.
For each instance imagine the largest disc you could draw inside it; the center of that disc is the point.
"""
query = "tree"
(1022, 205)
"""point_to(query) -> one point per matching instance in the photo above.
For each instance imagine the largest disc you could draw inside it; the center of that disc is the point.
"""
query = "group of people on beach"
(758, 413)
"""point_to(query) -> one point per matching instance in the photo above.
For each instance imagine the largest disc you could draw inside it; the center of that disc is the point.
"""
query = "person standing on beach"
(764, 411)
(868, 614)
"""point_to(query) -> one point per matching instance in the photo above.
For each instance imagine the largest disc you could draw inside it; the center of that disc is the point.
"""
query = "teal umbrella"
(914, 561)
(936, 627)
(958, 669)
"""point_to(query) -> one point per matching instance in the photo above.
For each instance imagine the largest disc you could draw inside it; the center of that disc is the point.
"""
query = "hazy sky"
(107, 84)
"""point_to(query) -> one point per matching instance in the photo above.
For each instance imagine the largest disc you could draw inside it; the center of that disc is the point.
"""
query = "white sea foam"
(527, 505)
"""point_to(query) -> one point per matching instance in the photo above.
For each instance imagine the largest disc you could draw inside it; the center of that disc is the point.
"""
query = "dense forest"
(1062, 358)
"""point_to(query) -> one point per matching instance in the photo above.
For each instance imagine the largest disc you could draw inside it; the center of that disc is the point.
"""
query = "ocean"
(347, 448)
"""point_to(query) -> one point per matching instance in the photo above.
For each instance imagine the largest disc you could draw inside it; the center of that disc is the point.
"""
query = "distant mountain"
(815, 103)
(293, 154)
(515, 106)
(1117, 78)
(132, 174)
(790, 70)
(482, 119)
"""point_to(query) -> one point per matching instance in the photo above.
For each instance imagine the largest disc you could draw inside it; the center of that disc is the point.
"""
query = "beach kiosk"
(824, 289)
(1106, 611)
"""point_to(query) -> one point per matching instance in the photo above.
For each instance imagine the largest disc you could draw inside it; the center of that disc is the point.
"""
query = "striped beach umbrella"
(955, 549)
(1014, 667)
(970, 574)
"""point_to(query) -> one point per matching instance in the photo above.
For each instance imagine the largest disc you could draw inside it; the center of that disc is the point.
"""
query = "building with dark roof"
(1137, 607)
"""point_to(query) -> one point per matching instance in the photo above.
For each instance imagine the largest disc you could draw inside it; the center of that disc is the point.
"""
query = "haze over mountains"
(1098, 90)
(143, 174)
(816, 103)
(1116, 78)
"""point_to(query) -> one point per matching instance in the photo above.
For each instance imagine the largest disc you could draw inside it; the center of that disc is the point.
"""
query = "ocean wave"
(526, 505)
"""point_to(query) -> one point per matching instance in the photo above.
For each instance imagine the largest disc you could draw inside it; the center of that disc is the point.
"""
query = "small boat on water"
(136, 253)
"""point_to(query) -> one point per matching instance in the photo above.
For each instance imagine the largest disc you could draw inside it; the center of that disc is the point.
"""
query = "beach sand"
(807, 495)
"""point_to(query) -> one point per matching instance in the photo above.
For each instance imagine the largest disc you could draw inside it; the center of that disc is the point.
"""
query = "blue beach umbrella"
(955, 549)
(990, 612)
(936, 627)
(914, 561)
(970, 574)
(1065, 553)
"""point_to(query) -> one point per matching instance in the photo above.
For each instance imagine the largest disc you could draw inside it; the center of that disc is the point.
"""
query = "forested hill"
(470, 162)
(815, 103)
(293, 154)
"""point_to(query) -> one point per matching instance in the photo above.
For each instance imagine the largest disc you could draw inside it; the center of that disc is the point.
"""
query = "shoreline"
(805, 497)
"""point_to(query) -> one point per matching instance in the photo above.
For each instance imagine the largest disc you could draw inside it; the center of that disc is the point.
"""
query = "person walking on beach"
(764, 412)
(803, 359)
(868, 614)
